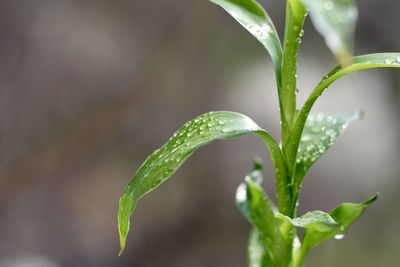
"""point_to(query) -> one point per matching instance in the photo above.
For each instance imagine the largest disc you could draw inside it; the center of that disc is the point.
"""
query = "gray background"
(89, 88)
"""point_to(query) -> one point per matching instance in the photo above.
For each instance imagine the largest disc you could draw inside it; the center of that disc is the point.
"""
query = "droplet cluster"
(193, 134)
(259, 28)
(320, 132)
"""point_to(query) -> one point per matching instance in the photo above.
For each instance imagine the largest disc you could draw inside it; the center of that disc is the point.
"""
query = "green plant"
(305, 137)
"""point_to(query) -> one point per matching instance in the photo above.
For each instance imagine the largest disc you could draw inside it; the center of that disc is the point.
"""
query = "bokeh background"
(89, 88)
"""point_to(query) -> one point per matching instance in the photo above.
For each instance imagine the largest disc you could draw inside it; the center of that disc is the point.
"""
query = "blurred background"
(89, 88)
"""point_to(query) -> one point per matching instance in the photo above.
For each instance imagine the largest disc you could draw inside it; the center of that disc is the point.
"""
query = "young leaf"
(319, 220)
(344, 215)
(202, 130)
(381, 60)
(285, 234)
(295, 17)
(253, 18)
(255, 205)
(319, 134)
(336, 21)
(258, 255)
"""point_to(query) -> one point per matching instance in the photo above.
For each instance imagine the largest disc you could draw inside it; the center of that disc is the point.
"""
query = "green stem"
(295, 16)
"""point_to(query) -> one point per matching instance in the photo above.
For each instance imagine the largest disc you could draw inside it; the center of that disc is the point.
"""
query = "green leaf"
(312, 221)
(321, 226)
(254, 19)
(344, 215)
(255, 205)
(381, 60)
(285, 233)
(295, 17)
(258, 255)
(316, 220)
(319, 134)
(202, 130)
(336, 21)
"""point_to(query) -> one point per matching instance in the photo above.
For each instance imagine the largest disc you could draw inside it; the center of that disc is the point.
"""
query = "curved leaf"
(319, 134)
(202, 130)
(344, 215)
(381, 60)
(295, 17)
(258, 255)
(336, 21)
(322, 226)
(316, 220)
(284, 239)
(254, 19)
(255, 205)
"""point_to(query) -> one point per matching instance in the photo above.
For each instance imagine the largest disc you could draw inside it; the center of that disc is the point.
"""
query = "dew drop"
(241, 193)
(221, 122)
(339, 236)
(398, 60)
(267, 28)
(388, 61)
(227, 130)
(328, 5)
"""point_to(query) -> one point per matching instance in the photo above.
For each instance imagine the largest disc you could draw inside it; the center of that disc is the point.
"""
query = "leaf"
(311, 221)
(284, 235)
(319, 134)
(202, 130)
(255, 205)
(316, 220)
(381, 60)
(295, 17)
(254, 19)
(257, 253)
(344, 215)
(336, 21)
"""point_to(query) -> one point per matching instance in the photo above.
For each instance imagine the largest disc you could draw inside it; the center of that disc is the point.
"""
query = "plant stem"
(295, 16)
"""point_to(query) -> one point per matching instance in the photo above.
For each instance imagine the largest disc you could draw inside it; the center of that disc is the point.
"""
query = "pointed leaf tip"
(160, 165)
(345, 215)
(371, 199)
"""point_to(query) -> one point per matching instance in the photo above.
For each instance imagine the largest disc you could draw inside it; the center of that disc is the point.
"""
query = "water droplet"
(388, 61)
(267, 28)
(241, 193)
(328, 5)
(221, 122)
(301, 33)
(227, 130)
(339, 236)
(398, 60)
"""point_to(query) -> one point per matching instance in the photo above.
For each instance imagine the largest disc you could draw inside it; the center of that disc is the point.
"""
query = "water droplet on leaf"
(339, 236)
